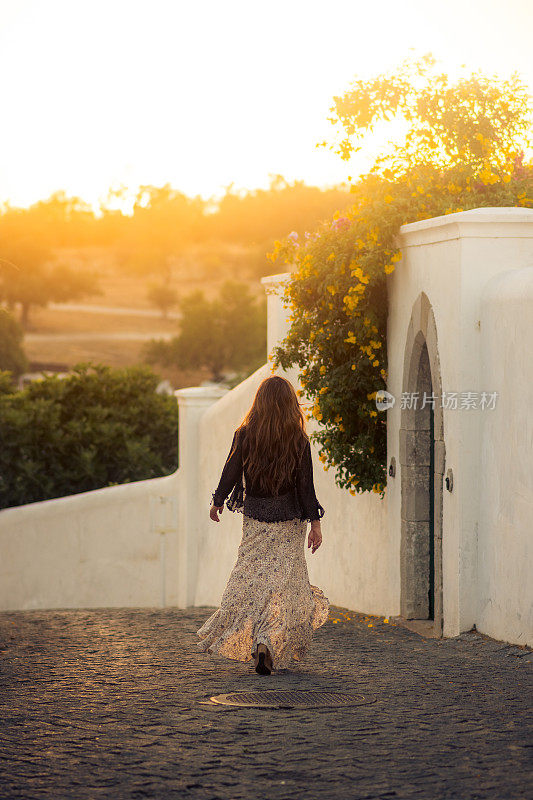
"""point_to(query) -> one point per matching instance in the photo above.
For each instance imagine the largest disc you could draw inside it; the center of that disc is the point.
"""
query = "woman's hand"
(315, 537)
(213, 512)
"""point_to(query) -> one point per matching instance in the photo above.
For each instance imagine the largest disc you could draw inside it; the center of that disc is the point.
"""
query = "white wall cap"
(498, 222)
(200, 395)
(93, 499)
(271, 280)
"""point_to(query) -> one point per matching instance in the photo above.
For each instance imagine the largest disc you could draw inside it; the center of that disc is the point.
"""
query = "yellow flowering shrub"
(464, 148)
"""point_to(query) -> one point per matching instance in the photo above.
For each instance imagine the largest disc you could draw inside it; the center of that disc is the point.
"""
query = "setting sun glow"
(202, 95)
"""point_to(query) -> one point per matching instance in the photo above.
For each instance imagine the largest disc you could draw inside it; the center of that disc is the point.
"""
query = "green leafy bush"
(97, 427)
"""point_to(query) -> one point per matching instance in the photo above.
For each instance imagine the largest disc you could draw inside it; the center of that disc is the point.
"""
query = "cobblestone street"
(106, 703)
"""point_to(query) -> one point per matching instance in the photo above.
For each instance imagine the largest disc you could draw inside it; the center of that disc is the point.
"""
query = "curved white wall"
(505, 539)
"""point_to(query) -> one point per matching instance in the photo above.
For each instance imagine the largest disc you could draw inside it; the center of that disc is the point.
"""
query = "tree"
(27, 275)
(162, 296)
(261, 215)
(464, 148)
(226, 333)
(163, 222)
(12, 355)
(64, 221)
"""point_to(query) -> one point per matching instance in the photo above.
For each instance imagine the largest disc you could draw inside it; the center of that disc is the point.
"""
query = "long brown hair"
(275, 435)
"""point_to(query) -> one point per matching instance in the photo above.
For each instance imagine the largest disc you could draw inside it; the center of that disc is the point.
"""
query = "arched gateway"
(422, 467)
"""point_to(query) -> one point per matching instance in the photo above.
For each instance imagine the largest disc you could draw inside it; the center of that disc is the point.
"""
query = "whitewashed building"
(451, 543)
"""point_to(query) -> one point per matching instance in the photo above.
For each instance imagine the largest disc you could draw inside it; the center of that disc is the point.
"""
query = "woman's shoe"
(263, 660)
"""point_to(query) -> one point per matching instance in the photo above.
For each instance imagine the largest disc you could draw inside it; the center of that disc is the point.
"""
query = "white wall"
(109, 547)
(194, 401)
(505, 542)
(451, 258)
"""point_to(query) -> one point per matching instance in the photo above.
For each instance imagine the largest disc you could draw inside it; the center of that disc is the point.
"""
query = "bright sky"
(203, 93)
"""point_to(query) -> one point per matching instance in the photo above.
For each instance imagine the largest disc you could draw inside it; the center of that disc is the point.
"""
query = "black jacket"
(297, 499)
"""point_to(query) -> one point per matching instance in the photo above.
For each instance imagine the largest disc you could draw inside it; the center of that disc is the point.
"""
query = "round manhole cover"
(272, 698)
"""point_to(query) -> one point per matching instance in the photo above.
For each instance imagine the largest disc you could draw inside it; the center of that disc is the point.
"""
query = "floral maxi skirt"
(268, 597)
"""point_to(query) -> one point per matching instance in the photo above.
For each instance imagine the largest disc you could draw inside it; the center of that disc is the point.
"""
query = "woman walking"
(269, 609)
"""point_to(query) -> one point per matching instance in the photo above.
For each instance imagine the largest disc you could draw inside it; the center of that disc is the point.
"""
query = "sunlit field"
(104, 328)
(100, 285)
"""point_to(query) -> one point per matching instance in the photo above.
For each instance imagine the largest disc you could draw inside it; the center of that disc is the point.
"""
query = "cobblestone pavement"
(106, 703)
